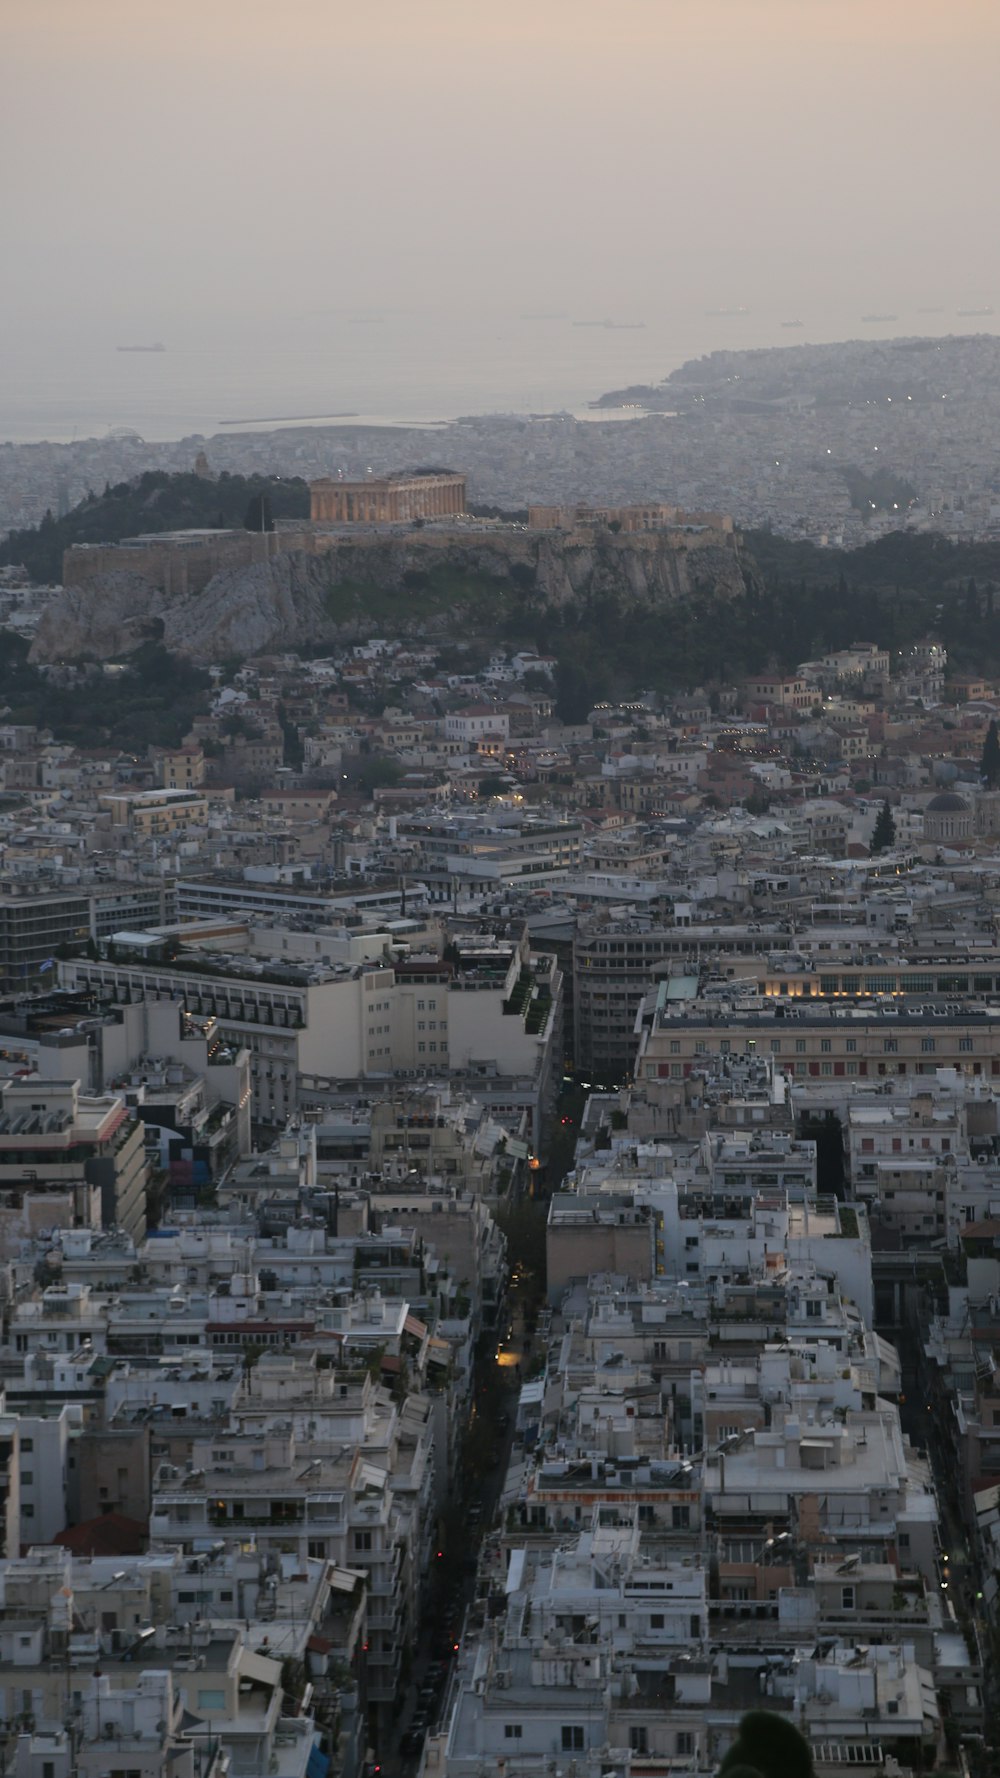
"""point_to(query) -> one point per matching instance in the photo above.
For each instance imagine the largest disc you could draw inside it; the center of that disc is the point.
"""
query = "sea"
(391, 366)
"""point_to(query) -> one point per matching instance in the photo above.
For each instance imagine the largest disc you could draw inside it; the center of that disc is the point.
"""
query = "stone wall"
(176, 563)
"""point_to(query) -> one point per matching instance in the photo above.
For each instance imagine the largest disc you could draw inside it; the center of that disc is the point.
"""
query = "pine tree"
(885, 830)
(258, 515)
(989, 764)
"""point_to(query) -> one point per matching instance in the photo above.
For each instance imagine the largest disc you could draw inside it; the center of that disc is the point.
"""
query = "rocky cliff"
(317, 590)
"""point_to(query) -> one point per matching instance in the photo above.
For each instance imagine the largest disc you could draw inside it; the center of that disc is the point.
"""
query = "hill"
(495, 583)
(155, 501)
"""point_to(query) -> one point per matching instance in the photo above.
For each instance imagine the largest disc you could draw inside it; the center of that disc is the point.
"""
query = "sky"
(250, 158)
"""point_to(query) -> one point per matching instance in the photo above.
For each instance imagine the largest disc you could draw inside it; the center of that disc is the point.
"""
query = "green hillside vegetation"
(151, 702)
(421, 596)
(155, 501)
(798, 602)
(894, 591)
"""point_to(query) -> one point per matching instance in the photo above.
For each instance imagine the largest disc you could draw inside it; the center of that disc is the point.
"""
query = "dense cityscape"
(468, 1165)
(499, 890)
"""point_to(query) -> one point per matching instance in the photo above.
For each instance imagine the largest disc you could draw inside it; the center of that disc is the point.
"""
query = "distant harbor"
(157, 346)
(290, 419)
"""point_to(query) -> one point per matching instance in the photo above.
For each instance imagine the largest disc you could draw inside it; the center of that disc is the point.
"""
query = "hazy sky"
(173, 158)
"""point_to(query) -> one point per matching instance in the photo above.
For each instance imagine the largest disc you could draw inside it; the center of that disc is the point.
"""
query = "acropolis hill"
(211, 594)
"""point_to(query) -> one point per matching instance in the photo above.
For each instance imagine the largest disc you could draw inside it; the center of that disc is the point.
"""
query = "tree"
(885, 830)
(989, 764)
(492, 785)
(258, 515)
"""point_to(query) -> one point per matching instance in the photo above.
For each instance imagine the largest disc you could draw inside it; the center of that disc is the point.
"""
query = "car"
(412, 1741)
(503, 1421)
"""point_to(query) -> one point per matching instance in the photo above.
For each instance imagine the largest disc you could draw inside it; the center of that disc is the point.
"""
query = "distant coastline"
(291, 419)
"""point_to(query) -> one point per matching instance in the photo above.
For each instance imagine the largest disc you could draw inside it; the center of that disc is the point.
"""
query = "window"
(824, 1046)
(847, 1598)
(964, 1044)
(851, 1046)
(512, 1731)
(928, 1045)
(685, 1742)
(776, 1046)
(572, 1737)
(638, 1738)
(27, 1444)
(675, 1046)
(362, 1540)
(800, 1046)
(657, 1620)
(890, 1045)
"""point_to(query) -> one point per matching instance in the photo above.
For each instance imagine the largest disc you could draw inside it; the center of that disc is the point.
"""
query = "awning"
(259, 1667)
(412, 1326)
(344, 1580)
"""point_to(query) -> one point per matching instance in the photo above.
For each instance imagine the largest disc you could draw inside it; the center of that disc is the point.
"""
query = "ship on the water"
(969, 312)
(880, 317)
(157, 346)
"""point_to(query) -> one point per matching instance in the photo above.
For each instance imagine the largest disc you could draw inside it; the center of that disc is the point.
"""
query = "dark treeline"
(156, 501)
(798, 601)
(151, 703)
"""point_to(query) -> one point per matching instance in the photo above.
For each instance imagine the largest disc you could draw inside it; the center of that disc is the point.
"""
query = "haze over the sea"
(318, 208)
(406, 364)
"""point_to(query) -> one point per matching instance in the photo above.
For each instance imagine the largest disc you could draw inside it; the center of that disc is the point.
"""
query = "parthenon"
(380, 500)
